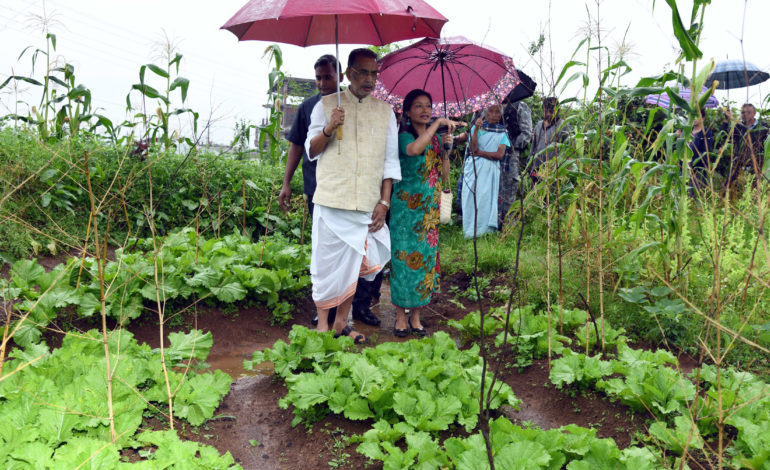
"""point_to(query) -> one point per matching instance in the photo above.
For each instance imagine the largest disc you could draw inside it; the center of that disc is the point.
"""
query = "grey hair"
(484, 111)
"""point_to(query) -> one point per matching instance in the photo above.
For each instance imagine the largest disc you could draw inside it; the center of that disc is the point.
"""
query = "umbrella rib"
(403, 59)
(437, 33)
(390, 92)
(455, 88)
(480, 77)
(307, 33)
(487, 59)
(376, 29)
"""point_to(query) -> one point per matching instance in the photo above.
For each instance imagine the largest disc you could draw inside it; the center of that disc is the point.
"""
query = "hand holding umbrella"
(336, 122)
(445, 129)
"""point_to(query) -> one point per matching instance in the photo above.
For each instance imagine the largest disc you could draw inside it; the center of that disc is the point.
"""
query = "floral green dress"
(414, 219)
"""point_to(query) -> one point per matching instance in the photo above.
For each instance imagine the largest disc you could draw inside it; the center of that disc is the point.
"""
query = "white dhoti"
(343, 251)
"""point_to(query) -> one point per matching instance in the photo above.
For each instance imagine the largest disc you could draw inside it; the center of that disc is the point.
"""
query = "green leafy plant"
(157, 123)
(578, 369)
(528, 330)
(55, 404)
(514, 447)
(647, 384)
(227, 269)
(393, 381)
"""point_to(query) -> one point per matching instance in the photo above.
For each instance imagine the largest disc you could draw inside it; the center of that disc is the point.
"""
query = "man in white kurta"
(355, 177)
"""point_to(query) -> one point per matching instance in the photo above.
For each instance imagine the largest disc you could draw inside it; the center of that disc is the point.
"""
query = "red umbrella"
(307, 22)
(461, 76)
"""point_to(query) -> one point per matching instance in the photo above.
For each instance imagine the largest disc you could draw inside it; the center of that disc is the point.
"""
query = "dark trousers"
(366, 291)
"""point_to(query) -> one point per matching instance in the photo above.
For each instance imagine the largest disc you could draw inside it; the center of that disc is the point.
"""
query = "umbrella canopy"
(307, 23)
(736, 74)
(664, 101)
(461, 76)
(523, 90)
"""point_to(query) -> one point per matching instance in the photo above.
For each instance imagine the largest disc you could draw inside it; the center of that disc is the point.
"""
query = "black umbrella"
(736, 74)
(523, 90)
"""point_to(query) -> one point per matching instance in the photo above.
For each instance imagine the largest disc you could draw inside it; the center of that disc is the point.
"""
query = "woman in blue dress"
(481, 173)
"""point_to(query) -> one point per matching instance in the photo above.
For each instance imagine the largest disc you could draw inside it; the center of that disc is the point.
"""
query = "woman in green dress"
(414, 211)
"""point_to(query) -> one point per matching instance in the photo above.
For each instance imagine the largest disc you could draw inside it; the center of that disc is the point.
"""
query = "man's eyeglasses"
(371, 73)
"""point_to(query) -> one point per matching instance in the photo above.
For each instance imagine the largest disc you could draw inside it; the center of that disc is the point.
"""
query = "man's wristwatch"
(384, 203)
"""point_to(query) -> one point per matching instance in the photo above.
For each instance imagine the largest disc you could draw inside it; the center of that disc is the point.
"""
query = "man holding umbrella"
(354, 182)
(748, 138)
(326, 78)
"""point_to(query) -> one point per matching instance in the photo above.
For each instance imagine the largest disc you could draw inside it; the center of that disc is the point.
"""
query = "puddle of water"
(231, 361)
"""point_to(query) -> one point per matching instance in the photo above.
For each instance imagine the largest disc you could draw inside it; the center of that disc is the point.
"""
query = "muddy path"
(251, 426)
(260, 436)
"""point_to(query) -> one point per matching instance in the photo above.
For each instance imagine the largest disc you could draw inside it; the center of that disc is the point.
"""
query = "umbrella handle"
(339, 140)
(409, 9)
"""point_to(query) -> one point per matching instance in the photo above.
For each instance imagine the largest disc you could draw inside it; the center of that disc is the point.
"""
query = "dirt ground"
(250, 425)
(250, 411)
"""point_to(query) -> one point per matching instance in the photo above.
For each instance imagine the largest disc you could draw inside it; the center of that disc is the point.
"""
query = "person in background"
(702, 143)
(748, 138)
(326, 79)
(517, 118)
(355, 176)
(424, 160)
(327, 74)
(549, 132)
(481, 173)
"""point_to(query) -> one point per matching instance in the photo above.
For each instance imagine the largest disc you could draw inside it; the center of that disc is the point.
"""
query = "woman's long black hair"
(406, 124)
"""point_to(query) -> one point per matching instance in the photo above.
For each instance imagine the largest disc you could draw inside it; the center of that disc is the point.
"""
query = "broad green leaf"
(34, 454)
(158, 71)
(229, 292)
(309, 390)
(358, 409)
(688, 46)
(193, 345)
(25, 272)
(200, 395)
(365, 377)
(522, 455)
(88, 305)
(639, 458)
(684, 433)
(86, 453)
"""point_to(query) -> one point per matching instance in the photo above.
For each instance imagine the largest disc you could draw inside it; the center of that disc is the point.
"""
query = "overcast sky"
(108, 40)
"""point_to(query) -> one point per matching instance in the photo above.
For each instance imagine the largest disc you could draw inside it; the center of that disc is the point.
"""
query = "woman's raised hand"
(452, 125)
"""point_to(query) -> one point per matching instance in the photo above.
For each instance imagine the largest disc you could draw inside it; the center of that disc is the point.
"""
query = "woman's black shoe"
(416, 331)
(400, 333)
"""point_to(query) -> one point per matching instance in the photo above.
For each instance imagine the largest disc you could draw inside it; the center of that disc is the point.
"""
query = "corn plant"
(156, 124)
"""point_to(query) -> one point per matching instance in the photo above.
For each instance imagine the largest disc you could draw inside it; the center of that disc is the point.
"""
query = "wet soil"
(250, 411)
(250, 425)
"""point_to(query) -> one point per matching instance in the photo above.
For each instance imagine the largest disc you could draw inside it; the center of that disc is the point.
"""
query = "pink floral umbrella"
(461, 76)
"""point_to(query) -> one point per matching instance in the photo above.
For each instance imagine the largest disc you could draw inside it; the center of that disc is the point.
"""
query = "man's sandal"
(357, 339)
